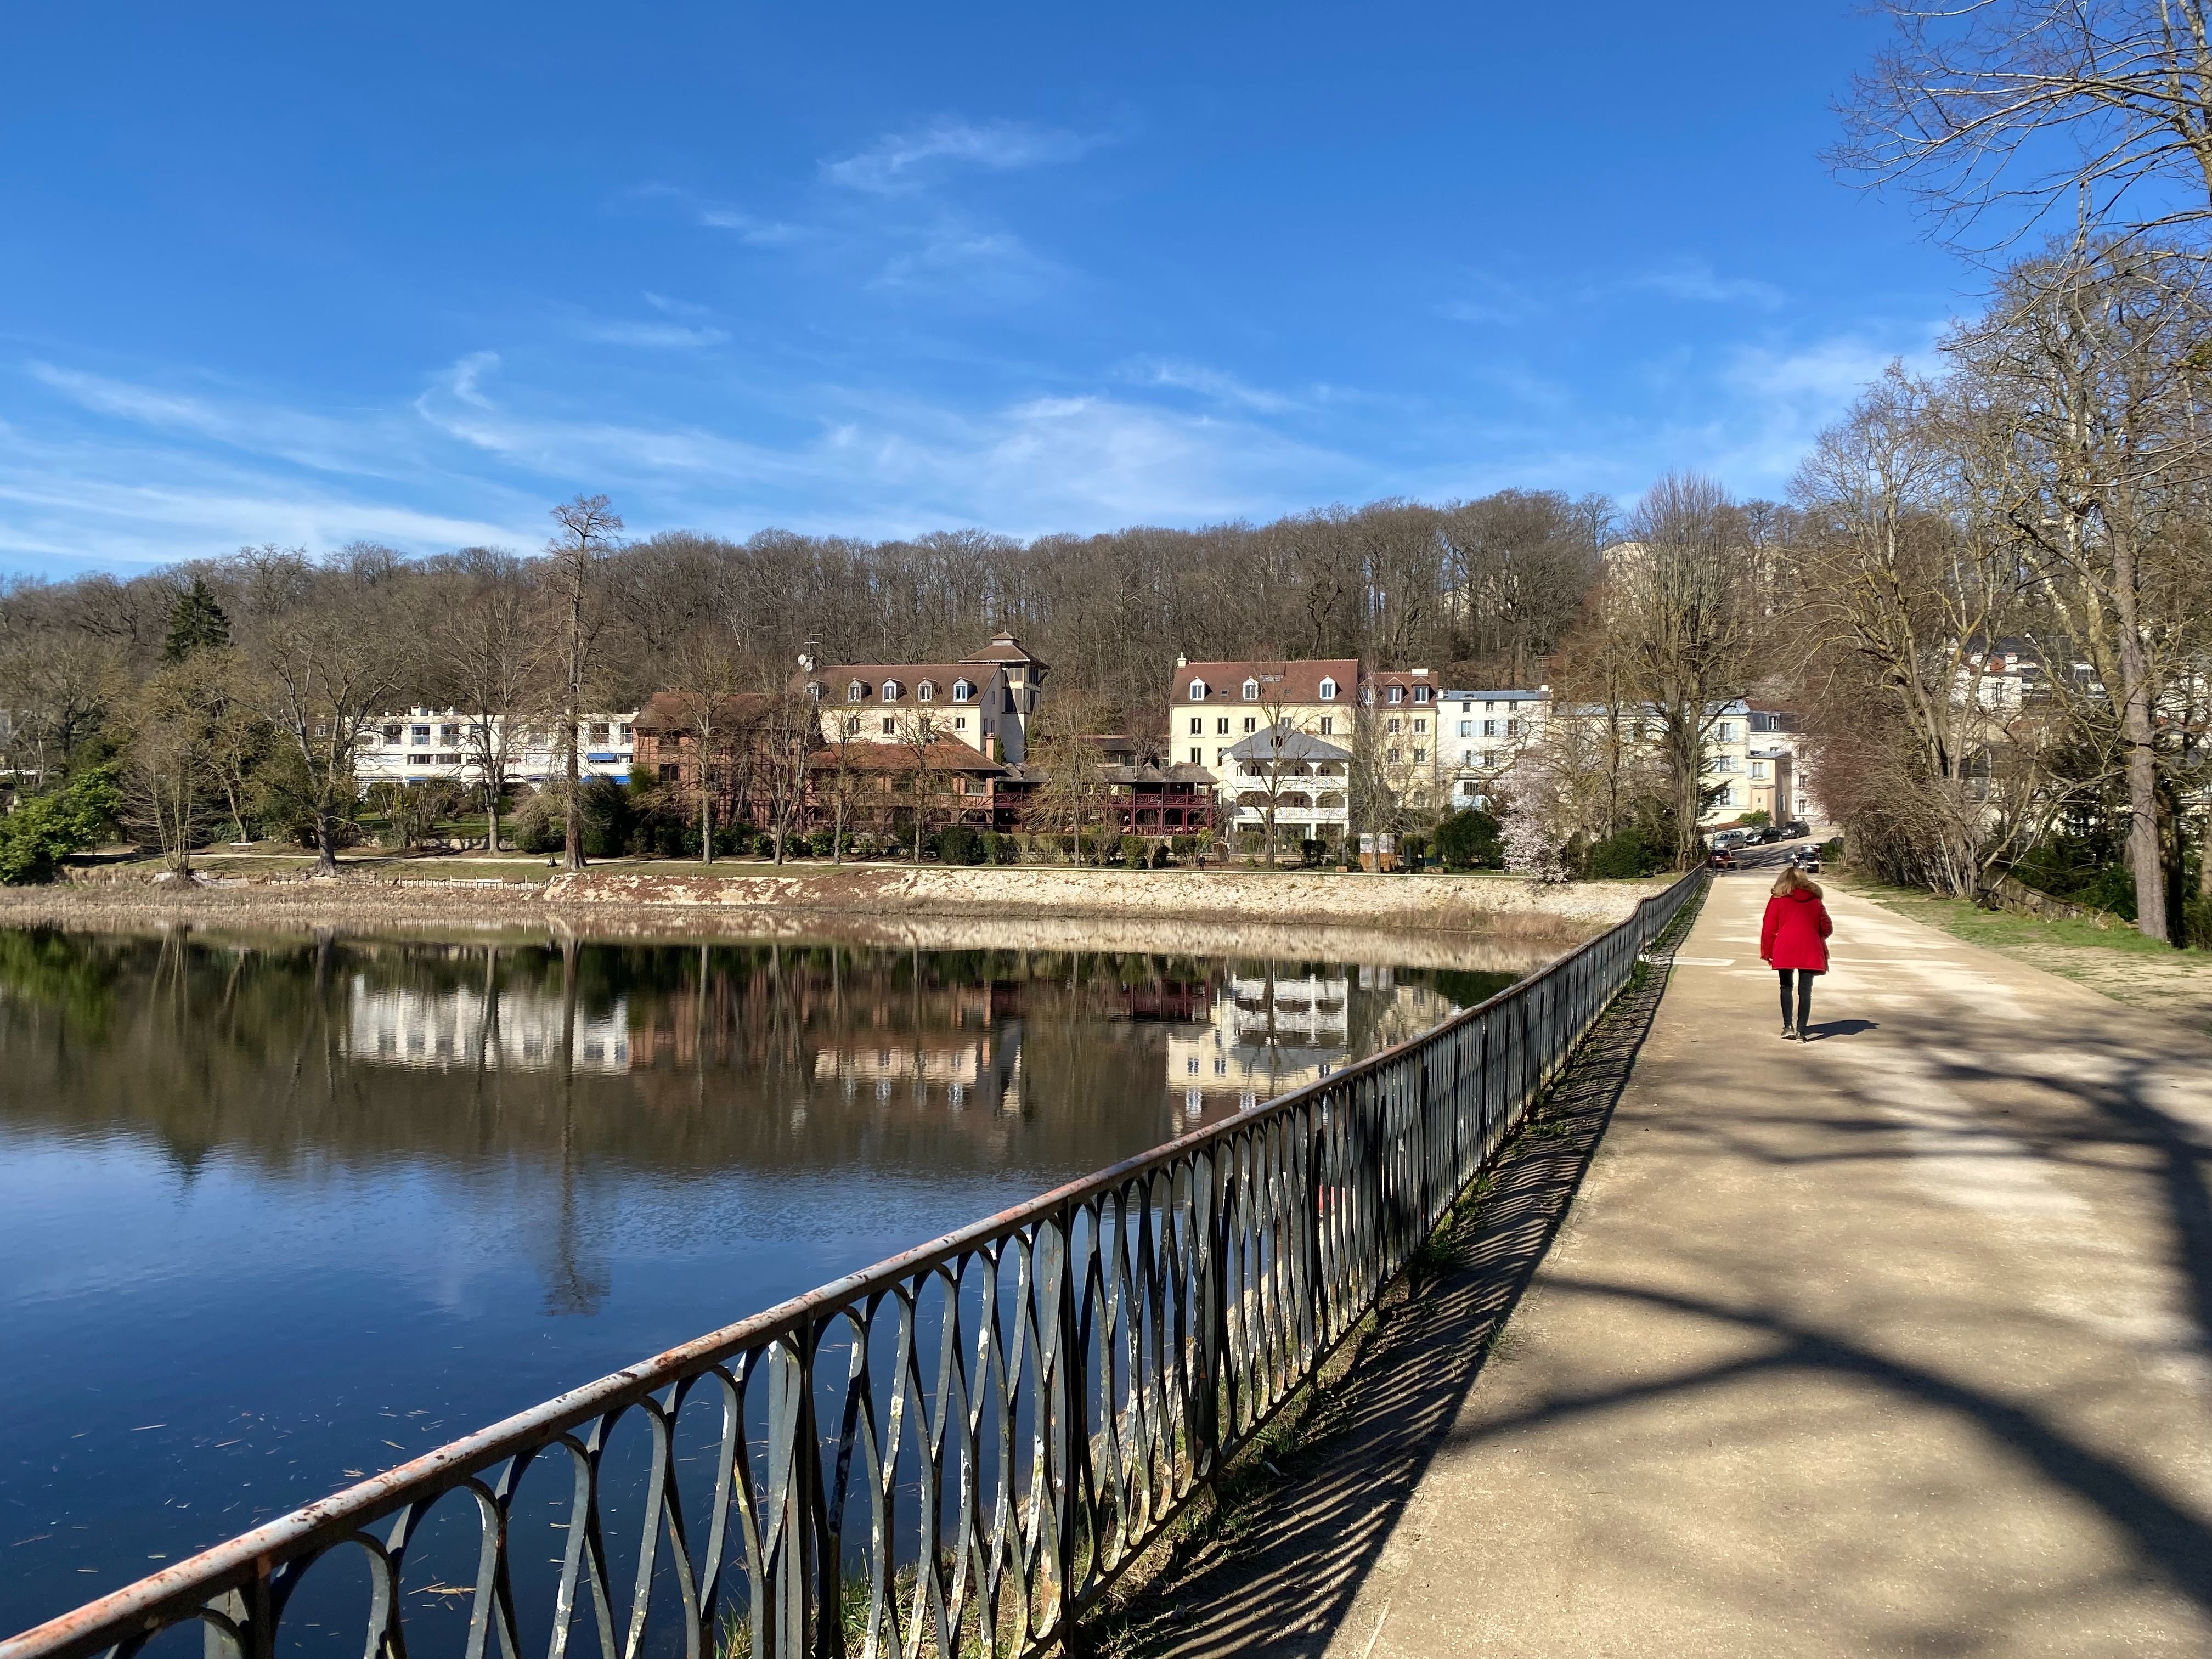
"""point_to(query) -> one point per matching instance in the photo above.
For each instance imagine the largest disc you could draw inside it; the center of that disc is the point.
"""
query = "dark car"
(1723, 859)
(1770, 833)
(1808, 859)
(1797, 830)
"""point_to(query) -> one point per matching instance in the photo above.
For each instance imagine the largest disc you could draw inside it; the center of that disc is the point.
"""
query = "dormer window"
(1420, 694)
(1328, 690)
(925, 692)
(962, 690)
(1198, 691)
(854, 691)
(814, 689)
(1397, 694)
(892, 689)
(1251, 690)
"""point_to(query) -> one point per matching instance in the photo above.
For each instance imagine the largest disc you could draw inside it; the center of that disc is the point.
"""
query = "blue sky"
(305, 274)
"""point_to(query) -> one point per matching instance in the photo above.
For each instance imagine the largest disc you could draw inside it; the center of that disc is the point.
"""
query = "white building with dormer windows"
(986, 700)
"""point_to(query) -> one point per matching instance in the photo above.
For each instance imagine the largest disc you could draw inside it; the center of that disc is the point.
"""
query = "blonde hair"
(1791, 879)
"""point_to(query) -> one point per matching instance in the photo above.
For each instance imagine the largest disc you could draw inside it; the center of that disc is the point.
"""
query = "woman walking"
(1793, 941)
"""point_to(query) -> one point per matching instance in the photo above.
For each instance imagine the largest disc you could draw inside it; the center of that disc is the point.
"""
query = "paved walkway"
(1892, 1343)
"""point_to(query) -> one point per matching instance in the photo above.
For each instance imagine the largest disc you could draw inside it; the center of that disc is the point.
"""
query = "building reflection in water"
(512, 1029)
(1268, 1029)
(1235, 1034)
(299, 1175)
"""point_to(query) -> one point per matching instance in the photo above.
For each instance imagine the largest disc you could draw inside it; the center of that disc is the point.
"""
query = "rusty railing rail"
(952, 1452)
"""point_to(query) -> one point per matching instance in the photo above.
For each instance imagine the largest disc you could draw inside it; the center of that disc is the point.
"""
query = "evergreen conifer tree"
(197, 622)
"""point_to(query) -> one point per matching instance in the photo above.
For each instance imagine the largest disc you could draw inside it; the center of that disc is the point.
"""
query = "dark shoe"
(1789, 1031)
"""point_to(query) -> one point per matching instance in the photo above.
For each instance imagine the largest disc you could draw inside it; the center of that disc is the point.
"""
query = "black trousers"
(1805, 977)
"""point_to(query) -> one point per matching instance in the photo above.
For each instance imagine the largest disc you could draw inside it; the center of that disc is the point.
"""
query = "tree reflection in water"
(309, 1202)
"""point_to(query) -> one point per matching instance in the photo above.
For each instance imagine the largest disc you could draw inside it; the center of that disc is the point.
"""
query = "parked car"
(1770, 835)
(1723, 859)
(1797, 830)
(1807, 858)
(1728, 838)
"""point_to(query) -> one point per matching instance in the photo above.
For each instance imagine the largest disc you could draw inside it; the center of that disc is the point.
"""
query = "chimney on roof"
(1182, 661)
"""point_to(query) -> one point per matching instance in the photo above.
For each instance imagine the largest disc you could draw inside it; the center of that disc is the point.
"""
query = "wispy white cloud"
(669, 308)
(755, 232)
(907, 160)
(121, 505)
(1218, 385)
(653, 335)
(1696, 281)
(305, 439)
(144, 404)
(748, 228)
(880, 464)
(1484, 297)
(962, 260)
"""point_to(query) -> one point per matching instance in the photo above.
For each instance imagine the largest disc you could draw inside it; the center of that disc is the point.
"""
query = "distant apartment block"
(427, 745)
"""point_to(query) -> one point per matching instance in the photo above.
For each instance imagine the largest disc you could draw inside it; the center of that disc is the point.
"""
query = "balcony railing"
(952, 1452)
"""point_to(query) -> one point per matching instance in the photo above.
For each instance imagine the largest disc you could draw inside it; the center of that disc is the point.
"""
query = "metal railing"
(952, 1452)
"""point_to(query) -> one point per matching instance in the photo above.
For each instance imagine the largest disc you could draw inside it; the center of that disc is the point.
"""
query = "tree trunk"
(572, 852)
(2146, 858)
(706, 811)
(326, 844)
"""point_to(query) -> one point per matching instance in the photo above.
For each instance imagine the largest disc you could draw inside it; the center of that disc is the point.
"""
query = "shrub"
(1309, 852)
(1621, 856)
(1469, 839)
(44, 829)
(1756, 820)
(1133, 851)
(611, 816)
(958, 843)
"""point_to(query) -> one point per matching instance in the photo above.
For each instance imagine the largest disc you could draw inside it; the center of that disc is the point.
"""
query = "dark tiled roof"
(944, 755)
(834, 678)
(1284, 743)
(1279, 681)
(677, 711)
(1003, 648)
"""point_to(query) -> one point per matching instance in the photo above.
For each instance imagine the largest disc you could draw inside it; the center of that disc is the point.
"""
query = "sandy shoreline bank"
(1414, 921)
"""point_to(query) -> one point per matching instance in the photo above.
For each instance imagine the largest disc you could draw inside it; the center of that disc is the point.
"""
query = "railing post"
(1068, 1396)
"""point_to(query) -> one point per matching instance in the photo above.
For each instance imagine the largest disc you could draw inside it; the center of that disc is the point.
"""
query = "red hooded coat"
(1795, 932)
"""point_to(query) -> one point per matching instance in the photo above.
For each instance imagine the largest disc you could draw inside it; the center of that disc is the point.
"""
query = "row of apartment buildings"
(1287, 735)
(1247, 742)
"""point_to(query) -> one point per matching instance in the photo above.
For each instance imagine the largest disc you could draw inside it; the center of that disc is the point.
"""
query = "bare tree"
(2091, 367)
(492, 653)
(918, 737)
(1065, 762)
(789, 733)
(583, 542)
(1902, 589)
(710, 675)
(168, 775)
(329, 668)
(1993, 113)
(1678, 608)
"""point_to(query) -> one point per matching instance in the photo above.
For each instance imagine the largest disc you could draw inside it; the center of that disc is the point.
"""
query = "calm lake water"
(276, 1212)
